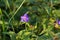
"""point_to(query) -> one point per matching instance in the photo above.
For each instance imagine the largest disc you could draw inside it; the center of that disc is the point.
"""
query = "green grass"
(42, 25)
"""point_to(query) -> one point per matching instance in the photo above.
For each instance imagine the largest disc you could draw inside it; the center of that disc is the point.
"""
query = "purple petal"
(26, 15)
(59, 22)
(24, 18)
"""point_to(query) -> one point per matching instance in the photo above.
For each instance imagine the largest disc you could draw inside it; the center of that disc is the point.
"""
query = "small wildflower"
(25, 18)
(59, 22)
(32, 27)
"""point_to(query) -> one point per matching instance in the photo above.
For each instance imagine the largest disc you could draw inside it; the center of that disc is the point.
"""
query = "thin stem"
(25, 27)
(17, 10)
(3, 27)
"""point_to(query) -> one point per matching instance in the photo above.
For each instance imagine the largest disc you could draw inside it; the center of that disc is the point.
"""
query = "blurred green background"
(42, 20)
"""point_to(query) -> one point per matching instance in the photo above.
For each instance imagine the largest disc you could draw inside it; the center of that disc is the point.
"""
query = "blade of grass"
(17, 10)
(3, 25)
(6, 14)
(7, 3)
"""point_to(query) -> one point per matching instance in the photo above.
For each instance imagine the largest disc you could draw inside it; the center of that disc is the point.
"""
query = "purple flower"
(58, 21)
(25, 18)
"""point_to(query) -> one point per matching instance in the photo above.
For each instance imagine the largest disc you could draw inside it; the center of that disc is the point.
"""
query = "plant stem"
(17, 10)
(3, 28)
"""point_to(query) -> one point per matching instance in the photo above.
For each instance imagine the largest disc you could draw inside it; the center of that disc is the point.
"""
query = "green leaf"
(7, 3)
(0, 11)
(56, 13)
(11, 34)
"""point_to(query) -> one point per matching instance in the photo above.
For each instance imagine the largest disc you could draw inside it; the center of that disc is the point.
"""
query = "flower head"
(25, 18)
(58, 21)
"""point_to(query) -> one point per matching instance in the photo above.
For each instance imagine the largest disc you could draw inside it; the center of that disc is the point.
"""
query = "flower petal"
(25, 18)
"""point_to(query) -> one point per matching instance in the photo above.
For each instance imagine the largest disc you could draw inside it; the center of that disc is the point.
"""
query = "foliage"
(42, 23)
